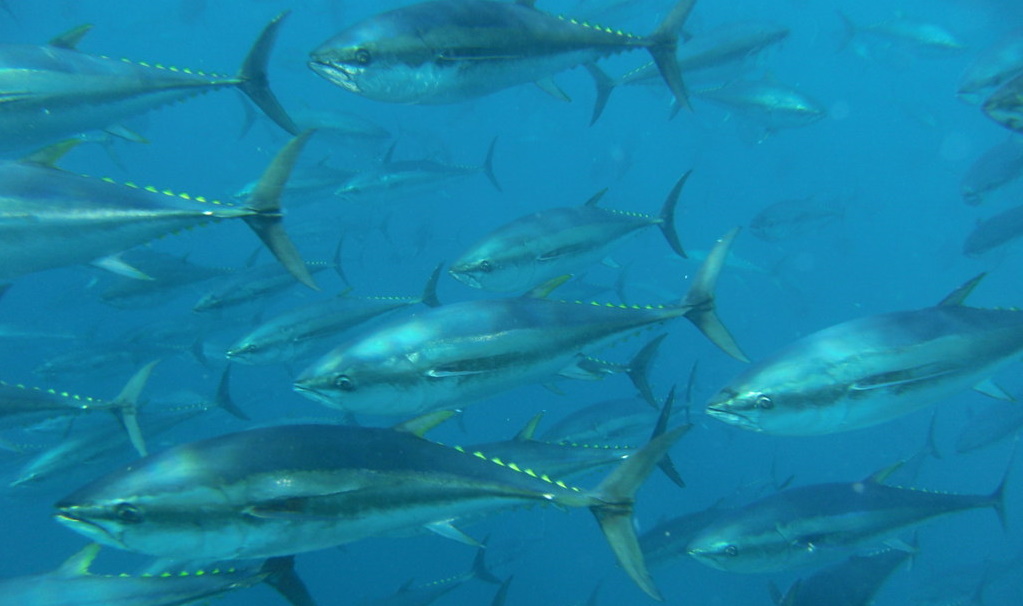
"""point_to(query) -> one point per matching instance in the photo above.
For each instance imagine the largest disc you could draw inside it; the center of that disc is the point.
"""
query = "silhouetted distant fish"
(767, 106)
(854, 582)
(997, 421)
(994, 232)
(725, 44)
(993, 67)
(793, 218)
(918, 35)
(1005, 105)
(995, 168)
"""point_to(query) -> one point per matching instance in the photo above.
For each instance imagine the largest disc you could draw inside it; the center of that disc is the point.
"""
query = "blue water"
(897, 141)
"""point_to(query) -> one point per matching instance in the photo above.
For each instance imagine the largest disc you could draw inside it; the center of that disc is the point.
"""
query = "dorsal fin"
(389, 156)
(958, 296)
(595, 198)
(51, 154)
(529, 430)
(71, 38)
(541, 291)
(78, 564)
(879, 476)
(424, 423)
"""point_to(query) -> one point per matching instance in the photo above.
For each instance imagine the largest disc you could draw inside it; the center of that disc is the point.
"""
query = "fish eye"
(486, 267)
(128, 513)
(764, 402)
(344, 383)
(363, 56)
(731, 550)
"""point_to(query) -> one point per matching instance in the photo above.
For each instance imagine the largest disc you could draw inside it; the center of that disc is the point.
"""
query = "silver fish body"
(290, 489)
(447, 51)
(542, 246)
(821, 523)
(453, 355)
(870, 370)
(51, 92)
(52, 218)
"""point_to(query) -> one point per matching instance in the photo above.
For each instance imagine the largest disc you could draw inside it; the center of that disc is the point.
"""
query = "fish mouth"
(310, 391)
(465, 278)
(89, 529)
(730, 417)
(334, 73)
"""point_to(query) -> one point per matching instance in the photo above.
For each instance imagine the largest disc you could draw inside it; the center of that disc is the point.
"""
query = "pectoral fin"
(992, 390)
(447, 530)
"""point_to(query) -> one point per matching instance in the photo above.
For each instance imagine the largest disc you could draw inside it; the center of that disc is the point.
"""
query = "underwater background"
(890, 155)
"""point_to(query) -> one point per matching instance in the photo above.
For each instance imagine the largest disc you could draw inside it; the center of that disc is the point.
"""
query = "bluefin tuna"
(53, 218)
(290, 489)
(854, 582)
(821, 523)
(1005, 105)
(994, 232)
(393, 178)
(542, 246)
(428, 593)
(871, 370)
(726, 44)
(992, 68)
(297, 332)
(72, 584)
(447, 51)
(766, 106)
(994, 169)
(53, 91)
(796, 217)
(457, 354)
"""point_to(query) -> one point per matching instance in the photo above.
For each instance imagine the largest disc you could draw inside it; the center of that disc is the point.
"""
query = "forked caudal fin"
(617, 495)
(667, 216)
(699, 301)
(281, 575)
(266, 202)
(127, 406)
(664, 42)
(253, 80)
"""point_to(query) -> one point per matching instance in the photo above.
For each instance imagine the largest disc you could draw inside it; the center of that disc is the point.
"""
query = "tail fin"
(848, 31)
(666, 464)
(502, 593)
(281, 575)
(223, 397)
(338, 268)
(605, 86)
(664, 41)
(667, 216)
(266, 201)
(479, 568)
(614, 514)
(699, 301)
(488, 165)
(639, 369)
(429, 296)
(127, 405)
(253, 80)
(997, 498)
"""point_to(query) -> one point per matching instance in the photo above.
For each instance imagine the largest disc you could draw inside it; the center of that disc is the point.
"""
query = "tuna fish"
(290, 489)
(53, 91)
(447, 51)
(544, 245)
(53, 218)
(457, 354)
(874, 369)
